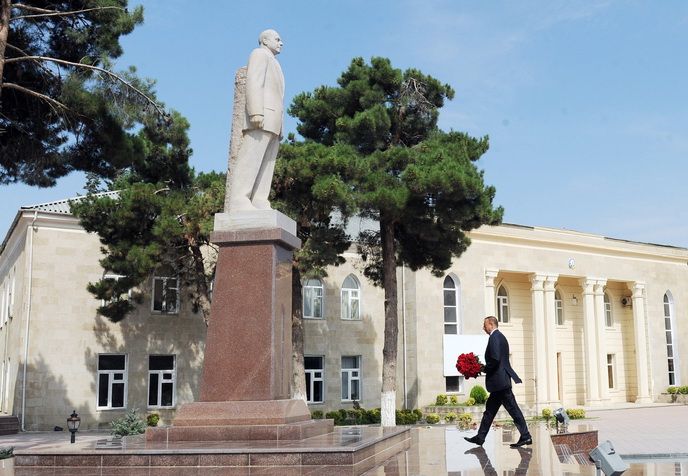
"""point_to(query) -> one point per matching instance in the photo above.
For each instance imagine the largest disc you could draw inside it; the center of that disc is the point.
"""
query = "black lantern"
(73, 423)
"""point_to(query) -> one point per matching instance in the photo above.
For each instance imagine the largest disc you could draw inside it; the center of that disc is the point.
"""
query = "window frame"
(460, 380)
(350, 297)
(558, 308)
(314, 380)
(611, 371)
(608, 316)
(162, 380)
(673, 373)
(111, 382)
(503, 305)
(164, 299)
(309, 291)
(353, 375)
(454, 289)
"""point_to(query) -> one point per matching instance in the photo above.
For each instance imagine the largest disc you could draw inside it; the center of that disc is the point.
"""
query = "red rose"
(469, 365)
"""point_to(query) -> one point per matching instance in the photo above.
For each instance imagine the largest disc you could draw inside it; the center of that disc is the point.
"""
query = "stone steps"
(9, 425)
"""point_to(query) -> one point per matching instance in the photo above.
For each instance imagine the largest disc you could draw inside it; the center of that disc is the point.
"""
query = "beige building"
(591, 321)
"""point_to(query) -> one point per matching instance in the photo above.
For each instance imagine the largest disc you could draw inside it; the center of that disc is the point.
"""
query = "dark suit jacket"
(498, 371)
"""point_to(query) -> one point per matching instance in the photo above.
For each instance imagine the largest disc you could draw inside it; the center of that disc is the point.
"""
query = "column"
(539, 344)
(600, 321)
(640, 335)
(590, 343)
(490, 296)
(551, 341)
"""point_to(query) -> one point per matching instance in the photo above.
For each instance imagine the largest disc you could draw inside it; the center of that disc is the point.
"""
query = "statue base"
(254, 219)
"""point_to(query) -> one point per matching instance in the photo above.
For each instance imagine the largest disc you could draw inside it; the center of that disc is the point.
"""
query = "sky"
(585, 102)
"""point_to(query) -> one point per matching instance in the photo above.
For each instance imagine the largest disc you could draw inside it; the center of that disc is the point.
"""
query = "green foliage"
(450, 417)
(432, 418)
(479, 394)
(470, 402)
(59, 114)
(336, 416)
(407, 416)
(441, 400)
(129, 424)
(7, 452)
(546, 414)
(453, 399)
(672, 390)
(317, 415)
(683, 390)
(575, 413)
(374, 416)
(152, 419)
(465, 418)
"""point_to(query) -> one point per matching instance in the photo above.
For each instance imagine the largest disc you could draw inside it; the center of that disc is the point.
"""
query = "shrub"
(672, 390)
(408, 417)
(317, 414)
(454, 400)
(470, 402)
(374, 416)
(7, 452)
(441, 400)
(465, 418)
(336, 416)
(130, 424)
(479, 394)
(575, 413)
(343, 414)
(683, 390)
(450, 417)
(432, 418)
(547, 414)
(152, 419)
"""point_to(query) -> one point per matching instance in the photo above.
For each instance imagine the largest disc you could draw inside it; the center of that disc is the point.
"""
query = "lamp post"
(73, 423)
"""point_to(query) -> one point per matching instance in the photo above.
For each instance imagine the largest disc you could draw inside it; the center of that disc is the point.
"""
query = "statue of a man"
(251, 177)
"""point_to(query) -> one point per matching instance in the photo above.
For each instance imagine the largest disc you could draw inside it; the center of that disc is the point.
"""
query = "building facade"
(591, 321)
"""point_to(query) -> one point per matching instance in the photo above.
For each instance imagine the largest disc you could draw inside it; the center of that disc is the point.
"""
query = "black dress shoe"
(522, 442)
(474, 439)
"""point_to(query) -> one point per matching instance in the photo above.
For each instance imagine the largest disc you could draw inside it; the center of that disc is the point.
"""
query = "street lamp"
(562, 418)
(73, 423)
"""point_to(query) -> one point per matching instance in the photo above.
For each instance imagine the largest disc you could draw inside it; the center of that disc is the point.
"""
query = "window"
(315, 382)
(351, 299)
(608, 321)
(161, 381)
(451, 306)
(122, 297)
(351, 378)
(502, 305)
(313, 299)
(454, 384)
(558, 308)
(610, 370)
(669, 328)
(165, 295)
(112, 381)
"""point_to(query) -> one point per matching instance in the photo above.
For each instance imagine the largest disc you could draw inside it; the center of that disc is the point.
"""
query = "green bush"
(683, 390)
(672, 390)
(575, 413)
(547, 414)
(441, 400)
(470, 402)
(454, 400)
(130, 424)
(432, 418)
(336, 416)
(317, 415)
(152, 419)
(408, 417)
(479, 394)
(450, 417)
(374, 416)
(465, 418)
(7, 452)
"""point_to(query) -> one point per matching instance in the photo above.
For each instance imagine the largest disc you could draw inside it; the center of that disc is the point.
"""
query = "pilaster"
(590, 343)
(641, 362)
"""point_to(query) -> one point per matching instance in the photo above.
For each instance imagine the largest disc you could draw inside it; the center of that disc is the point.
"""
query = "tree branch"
(155, 105)
(51, 13)
(48, 99)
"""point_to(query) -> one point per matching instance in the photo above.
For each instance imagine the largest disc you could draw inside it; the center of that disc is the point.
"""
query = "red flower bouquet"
(469, 365)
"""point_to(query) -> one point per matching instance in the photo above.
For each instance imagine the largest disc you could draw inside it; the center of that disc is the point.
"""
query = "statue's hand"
(257, 121)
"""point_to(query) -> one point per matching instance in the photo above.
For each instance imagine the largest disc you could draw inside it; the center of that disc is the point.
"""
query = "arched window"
(670, 331)
(608, 319)
(313, 299)
(451, 306)
(502, 305)
(351, 299)
(558, 308)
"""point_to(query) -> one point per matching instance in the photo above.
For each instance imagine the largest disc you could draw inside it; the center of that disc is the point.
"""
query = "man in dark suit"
(498, 376)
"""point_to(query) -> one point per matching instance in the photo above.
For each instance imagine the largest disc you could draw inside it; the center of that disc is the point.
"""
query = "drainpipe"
(30, 230)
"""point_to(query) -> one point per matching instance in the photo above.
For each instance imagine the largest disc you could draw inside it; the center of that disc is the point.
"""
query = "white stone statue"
(250, 179)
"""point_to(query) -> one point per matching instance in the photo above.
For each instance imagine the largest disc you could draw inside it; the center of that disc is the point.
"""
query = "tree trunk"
(298, 385)
(5, 14)
(201, 282)
(389, 352)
